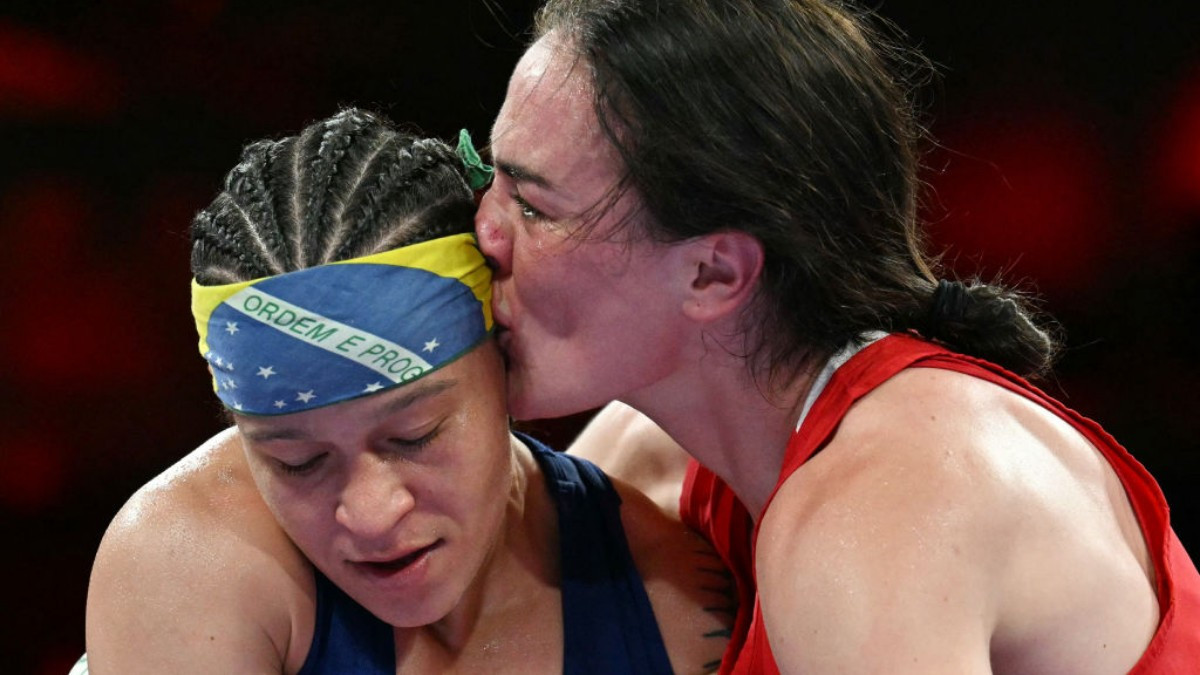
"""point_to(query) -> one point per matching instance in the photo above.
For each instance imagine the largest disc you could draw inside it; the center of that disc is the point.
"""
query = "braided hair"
(344, 187)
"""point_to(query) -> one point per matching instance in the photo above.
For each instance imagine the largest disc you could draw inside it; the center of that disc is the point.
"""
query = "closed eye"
(411, 445)
(302, 468)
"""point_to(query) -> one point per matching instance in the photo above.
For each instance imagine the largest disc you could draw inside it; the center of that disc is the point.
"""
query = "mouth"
(504, 340)
(395, 565)
(500, 311)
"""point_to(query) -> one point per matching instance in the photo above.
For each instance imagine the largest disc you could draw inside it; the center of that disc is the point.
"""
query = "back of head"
(345, 187)
(336, 264)
(790, 120)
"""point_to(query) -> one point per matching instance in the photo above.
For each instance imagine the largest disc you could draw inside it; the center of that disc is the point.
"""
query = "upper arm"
(691, 592)
(628, 446)
(878, 567)
(176, 589)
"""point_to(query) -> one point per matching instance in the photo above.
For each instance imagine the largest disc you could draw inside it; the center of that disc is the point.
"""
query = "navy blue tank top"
(608, 624)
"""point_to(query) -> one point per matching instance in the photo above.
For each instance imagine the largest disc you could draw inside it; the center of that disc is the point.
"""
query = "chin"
(543, 410)
(403, 613)
(522, 406)
(525, 408)
(551, 393)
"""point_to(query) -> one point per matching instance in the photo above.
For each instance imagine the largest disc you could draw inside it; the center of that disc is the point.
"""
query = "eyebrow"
(421, 392)
(522, 174)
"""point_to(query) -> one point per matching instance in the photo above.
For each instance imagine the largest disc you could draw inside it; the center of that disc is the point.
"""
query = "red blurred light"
(75, 319)
(32, 473)
(1176, 177)
(1026, 193)
(41, 74)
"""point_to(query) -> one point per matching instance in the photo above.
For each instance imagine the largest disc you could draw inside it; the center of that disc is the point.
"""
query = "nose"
(374, 498)
(494, 234)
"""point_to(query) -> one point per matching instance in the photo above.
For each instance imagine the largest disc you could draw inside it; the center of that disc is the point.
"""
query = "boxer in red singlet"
(702, 209)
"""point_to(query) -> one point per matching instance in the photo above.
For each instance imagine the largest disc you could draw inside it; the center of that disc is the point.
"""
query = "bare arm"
(627, 445)
(886, 552)
(192, 577)
(951, 526)
(882, 578)
(690, 590)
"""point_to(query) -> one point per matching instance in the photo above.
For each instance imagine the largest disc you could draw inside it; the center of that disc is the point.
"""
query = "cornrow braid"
(409, 187)
(345, 187)
(341, 158)
(275, 163)
(249, 196)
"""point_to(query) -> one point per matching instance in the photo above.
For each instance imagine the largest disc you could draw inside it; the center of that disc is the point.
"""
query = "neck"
(729, 421)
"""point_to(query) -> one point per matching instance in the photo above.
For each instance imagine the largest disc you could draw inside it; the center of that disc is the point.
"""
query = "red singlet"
(710, 506)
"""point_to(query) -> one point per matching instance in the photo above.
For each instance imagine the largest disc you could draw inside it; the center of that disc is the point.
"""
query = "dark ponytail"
(991, 322)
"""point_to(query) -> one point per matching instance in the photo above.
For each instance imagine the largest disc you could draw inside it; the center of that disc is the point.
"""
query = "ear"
(725, 270)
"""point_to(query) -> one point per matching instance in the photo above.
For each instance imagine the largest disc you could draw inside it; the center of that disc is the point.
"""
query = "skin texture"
(560, 299)
(208, 568)
(982, 535)
(949, 526)
(387, 476)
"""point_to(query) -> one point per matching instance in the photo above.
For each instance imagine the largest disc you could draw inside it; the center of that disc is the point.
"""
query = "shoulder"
(892, 541)
(193, 574)
(934, 526)
(629, 446)
(689, 588)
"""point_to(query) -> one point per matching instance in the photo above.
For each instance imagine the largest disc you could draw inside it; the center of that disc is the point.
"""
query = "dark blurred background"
(1068, 157)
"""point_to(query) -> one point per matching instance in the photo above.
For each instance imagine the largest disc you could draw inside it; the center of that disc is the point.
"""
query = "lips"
(399, 564)
(504, 341)
(504, 336)
(501, 312)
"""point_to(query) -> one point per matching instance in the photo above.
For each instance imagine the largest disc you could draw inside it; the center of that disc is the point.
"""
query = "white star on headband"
(305, 396)
(265, 372)
(374, 386)
(431, 345)
(231, 327)
(280, 404)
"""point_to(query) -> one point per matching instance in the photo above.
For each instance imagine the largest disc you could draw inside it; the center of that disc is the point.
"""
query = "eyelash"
(416, 444)
(301, 469)
(406, 445)
(527, 211)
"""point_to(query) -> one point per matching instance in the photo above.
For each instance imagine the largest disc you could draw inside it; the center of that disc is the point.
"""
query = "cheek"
(480, 485)
(563, 287)
(298, 512)
(303, 524)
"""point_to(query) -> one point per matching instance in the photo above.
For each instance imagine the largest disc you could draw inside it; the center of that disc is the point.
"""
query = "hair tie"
(949, 302)
(478, 173)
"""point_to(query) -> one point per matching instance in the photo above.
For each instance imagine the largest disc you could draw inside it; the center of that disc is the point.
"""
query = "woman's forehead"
(363, 410)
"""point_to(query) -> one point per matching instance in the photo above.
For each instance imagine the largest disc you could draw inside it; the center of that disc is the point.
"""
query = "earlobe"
(726, 268)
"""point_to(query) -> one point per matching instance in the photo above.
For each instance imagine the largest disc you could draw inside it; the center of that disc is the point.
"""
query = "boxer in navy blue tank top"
(371, 511)
(608, 624)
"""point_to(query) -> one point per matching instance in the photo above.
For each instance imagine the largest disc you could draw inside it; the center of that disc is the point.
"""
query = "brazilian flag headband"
(331, 333)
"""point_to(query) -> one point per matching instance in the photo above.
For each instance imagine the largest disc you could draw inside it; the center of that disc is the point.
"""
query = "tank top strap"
(608, 622)
(854, 378)
(347, 639)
